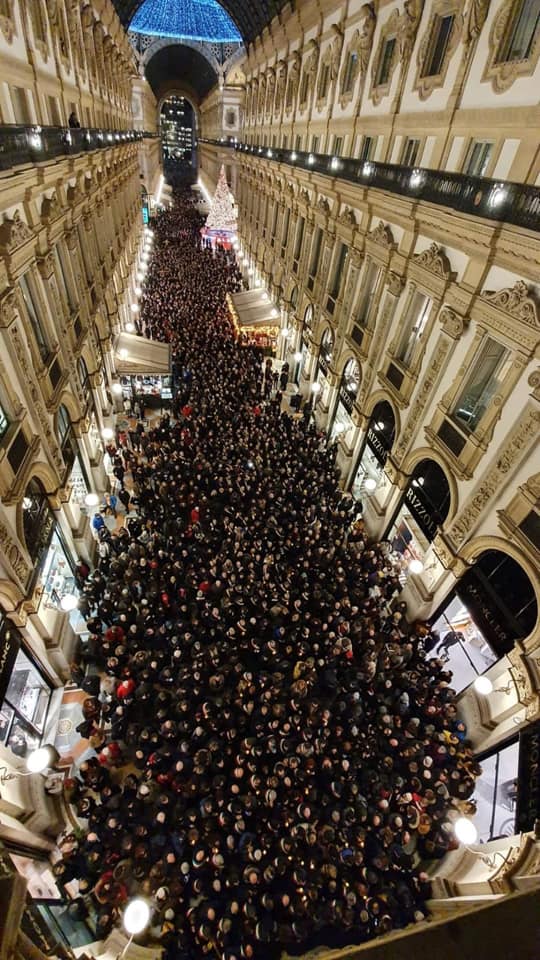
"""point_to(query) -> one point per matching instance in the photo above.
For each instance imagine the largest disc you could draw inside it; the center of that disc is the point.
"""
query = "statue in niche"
(335, 57)
(281, 85)
(294, 76)
(365, 36)
(270, 91)
(475, 17)
(408, 25)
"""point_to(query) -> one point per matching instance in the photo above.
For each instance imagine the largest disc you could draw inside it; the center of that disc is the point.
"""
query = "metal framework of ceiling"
(250, 16)
(180, 68)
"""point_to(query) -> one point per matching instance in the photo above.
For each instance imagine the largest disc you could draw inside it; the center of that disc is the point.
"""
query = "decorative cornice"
(517, 301)
(14, 233)
(435, 260)
(382, 234)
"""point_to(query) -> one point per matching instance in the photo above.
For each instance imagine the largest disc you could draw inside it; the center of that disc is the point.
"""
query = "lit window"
(4, 422)
(478, 158)
(324, 81)
(413, 327)
(366, 149)
(487, 373)
(521, 32)
(338, 146)
(385, 63)
(410, 153)
(438, 45)
(350, 73)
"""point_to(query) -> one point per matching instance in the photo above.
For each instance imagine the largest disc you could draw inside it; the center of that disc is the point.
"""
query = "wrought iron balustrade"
(20, 144)
(500, 200)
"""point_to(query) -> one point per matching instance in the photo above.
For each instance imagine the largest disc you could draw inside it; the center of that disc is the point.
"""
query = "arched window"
(350, 380)
(493, 605)
(84, 376)
(294, 297)
(308, 316)
(66, 436)
(422, 511)
(38, 519)
(327, 346)
(378, 444)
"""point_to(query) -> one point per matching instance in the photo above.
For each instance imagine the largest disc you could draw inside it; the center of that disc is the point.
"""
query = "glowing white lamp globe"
(138, 291)
(483, 685)
(91, 499)
(140, 276)
(136, 917)
(315, 387)
(68, 602)
(370, 484)
(38, 760)
(117, 389)
(107, 433)
(416, 566)
(135, 308)
(298, 356)
(123, 354)
(465, 830)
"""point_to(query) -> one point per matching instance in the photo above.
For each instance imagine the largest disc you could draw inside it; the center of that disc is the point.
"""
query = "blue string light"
(186, 19)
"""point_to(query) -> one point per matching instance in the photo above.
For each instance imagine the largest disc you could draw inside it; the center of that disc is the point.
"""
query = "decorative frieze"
(518, 443)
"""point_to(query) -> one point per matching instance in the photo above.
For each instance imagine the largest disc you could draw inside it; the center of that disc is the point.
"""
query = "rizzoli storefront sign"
(528, 802)
(421, 512)
(379, 448)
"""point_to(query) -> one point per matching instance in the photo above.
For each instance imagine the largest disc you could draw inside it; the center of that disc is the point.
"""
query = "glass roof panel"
(185, 19)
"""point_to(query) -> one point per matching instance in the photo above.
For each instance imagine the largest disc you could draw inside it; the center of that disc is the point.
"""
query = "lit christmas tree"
(222, 214)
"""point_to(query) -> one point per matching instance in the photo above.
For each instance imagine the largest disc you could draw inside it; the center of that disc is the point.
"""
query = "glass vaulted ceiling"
(204, 20)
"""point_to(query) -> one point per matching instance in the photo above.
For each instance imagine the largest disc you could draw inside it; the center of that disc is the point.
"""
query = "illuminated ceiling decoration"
(204, 20)
(250, 16)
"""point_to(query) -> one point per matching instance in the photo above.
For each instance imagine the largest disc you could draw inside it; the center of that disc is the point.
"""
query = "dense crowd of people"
(275, 755)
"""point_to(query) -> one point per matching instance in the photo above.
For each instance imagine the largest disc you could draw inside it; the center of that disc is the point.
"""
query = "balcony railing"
(499, 200)
(34, 144)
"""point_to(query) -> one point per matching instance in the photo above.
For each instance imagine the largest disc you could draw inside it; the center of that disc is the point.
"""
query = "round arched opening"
(492, 606)
(378, 443)
(422, 511)
(342, 424)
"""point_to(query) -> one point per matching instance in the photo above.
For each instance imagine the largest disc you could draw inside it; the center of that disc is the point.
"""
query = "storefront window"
(25, 705)
(461, 645)
(153, 388)
(379, 440)
(57, 576)
(350, 383)
(325, 354)
(423, 509)
(496, 794)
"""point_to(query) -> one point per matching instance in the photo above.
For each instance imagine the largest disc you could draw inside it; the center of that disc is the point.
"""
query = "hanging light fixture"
(68, 602)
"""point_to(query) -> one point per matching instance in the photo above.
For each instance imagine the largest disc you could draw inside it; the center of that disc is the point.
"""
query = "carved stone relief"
(14, 233)
(435, 260)
(522, 437)
(423, 395)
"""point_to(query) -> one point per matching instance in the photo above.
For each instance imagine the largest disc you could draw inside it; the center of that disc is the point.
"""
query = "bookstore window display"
(423, 510)
(379, 441)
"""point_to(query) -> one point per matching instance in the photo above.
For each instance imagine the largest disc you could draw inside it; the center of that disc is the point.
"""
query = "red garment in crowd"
(126, 688)
(114, 634)
(186, 410)
(195, 515)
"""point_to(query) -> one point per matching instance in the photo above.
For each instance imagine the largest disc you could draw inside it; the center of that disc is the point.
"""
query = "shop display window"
(368, 468)
(461, 645)
(496, 794)
(57, 577)
(24, 711)
(342, 425)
